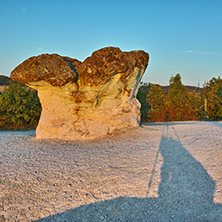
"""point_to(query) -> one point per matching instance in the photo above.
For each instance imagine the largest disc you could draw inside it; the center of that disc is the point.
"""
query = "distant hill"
(5, 80)
(145, 86)
(190, 88)
(167, 88)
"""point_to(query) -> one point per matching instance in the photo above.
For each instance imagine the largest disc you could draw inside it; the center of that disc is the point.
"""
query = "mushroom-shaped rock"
(85, 100)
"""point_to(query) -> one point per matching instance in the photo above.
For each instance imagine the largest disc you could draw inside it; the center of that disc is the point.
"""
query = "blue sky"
(181, 36)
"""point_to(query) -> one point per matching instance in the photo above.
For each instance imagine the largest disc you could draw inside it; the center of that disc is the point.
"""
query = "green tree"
(177, 90)
(141, 96)
(157, 100)
(156, 96)
(219, 92)
(213, 94)
(182, 104)
(178, 105)
(19, 107)
(194, 106)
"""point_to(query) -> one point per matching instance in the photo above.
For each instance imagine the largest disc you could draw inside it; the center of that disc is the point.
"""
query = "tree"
(213, 94)
(141, 96)
(178, 105)
(182, 104)
(157, 100)
(156, 96)
(19, 107)
(177, 90)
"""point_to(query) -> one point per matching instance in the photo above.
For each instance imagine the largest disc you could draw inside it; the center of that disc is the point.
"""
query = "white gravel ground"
(159, 172)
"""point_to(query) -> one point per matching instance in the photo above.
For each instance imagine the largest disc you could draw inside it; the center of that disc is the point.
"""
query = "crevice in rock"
(69, 62)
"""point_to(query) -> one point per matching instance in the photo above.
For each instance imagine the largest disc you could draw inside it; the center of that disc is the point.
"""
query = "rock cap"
(96, 69)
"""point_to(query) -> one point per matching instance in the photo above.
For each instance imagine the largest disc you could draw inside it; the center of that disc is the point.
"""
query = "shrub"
(141, 96)
(19, 107)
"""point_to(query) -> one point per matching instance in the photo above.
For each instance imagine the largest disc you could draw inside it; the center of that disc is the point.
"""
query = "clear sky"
(181, 36)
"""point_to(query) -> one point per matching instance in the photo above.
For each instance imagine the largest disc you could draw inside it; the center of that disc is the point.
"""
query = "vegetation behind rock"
(179, 103)
(19, 107)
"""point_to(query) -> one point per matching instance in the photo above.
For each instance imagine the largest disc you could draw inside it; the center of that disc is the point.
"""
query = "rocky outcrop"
(85, 100)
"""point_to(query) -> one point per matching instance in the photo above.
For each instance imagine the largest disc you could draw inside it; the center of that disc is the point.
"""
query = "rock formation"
(85, 100)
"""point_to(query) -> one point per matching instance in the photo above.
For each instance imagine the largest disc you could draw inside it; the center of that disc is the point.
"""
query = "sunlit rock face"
(85, 100)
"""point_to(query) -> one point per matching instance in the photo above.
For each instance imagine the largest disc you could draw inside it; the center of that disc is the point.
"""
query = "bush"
(141, 96)
(19, 107)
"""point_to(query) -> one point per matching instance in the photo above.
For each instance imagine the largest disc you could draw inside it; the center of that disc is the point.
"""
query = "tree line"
(179, 104)
(20, 107)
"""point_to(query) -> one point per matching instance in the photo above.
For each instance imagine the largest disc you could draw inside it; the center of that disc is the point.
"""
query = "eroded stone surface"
(85, 100)
(53, 69)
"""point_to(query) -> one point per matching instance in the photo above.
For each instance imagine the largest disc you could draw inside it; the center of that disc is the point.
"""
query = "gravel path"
(160, 172)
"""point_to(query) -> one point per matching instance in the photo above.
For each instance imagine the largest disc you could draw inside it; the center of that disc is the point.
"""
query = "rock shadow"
(185, 192)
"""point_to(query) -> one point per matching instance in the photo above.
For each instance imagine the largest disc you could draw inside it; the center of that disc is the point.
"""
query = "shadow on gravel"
(170, 123)
(185, 193)
(219, 124)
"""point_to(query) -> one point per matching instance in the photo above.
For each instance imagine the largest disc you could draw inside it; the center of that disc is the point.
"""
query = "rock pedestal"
(85, 100)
